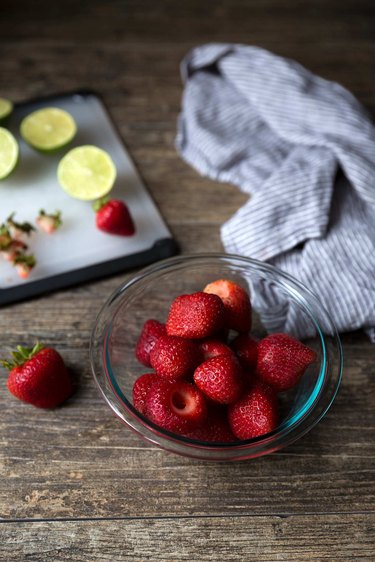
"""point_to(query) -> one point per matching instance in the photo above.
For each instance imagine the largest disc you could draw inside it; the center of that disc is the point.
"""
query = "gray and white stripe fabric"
(304, 148)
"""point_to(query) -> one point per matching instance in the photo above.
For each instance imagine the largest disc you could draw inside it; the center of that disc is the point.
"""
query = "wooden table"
(75, 485)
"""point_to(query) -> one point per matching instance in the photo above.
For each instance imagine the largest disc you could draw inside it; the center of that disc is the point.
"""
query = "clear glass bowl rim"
(285, 433)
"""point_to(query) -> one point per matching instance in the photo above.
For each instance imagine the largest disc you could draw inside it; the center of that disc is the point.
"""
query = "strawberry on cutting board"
(38, 376)
(113, 217)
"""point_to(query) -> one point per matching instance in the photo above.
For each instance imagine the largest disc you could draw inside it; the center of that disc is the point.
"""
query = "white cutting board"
(78, 245)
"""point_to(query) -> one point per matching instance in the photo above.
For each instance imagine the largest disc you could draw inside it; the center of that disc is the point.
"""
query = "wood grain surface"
(75, 485)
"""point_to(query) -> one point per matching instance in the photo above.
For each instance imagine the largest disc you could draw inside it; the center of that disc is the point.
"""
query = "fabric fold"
(303, 148)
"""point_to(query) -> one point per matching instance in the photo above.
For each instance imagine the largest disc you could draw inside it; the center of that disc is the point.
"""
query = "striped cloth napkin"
(304, 148)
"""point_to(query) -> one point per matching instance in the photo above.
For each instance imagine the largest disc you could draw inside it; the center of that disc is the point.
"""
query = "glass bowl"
(277, 299)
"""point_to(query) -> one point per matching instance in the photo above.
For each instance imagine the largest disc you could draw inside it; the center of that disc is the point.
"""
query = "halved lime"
(8, 153)
(86, 172)
(6, 108)
(48, 129)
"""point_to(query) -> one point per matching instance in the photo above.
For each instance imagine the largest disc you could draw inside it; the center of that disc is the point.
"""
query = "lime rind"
(6, 108)
(48, 129)
(87, 173)
(9, 153)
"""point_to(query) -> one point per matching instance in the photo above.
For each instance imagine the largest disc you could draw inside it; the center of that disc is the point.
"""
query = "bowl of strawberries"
(199, 355)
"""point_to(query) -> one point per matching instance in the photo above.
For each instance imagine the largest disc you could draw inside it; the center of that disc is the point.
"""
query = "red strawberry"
(282, 360)
(38, 376)
(196, 316)
(236, 301)
(220, 378)
(113, 217)
(177, 406)
(173, 357)
(49, 222)
(213, 348)
(151, 332)
(255, 414)
(24, 264)
(216, 429)
(141, 389)
(246, 349)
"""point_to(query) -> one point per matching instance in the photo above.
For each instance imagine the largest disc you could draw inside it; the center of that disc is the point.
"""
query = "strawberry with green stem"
(113, 217)
(49, 222)
(38, 376)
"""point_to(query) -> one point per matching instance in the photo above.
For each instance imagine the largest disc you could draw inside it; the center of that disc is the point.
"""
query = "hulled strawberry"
(151, 332)
(113, 217)
(255, 413)
(246, 349)
(213, 348)
(177, 406)
(141, 388)
(196, 316)
(24, 264)
(282, 360)
(38, 376)
(173, 357)
(215, 430)
(220, 378)
(236, 301)
(49, 222)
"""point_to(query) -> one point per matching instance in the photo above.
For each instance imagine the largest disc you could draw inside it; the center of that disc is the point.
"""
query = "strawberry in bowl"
(192, 323)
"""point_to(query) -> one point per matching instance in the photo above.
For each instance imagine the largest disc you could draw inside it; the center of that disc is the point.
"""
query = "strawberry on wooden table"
(38, 376)
(113, 217)
(49, 222)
